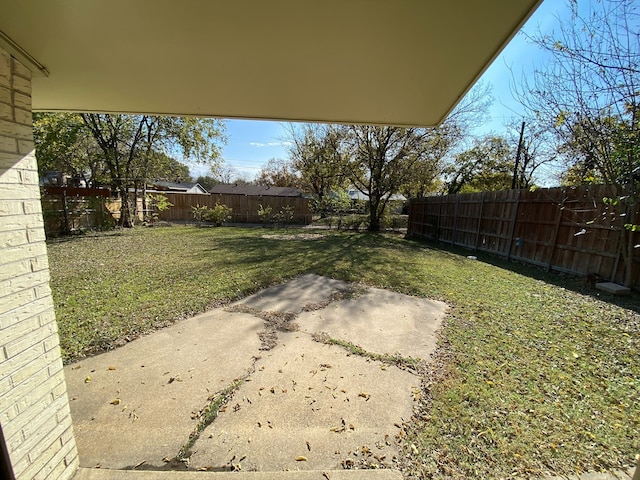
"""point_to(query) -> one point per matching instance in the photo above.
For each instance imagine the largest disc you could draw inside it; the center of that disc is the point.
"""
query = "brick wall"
(34, 409)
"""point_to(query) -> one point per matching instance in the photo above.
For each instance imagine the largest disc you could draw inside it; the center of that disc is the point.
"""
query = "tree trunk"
(125, 212)
(374, 217)
(145, 214)
(135, 200)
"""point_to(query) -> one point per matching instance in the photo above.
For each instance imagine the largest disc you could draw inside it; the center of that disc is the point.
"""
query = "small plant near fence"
(284, 216)
(264, 214)
(158, 203)
(217, 215)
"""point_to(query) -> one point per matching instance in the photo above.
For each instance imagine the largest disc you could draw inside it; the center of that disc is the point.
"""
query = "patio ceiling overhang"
(395, 62)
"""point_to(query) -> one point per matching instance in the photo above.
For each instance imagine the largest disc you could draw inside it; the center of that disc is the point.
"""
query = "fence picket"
(562, 229)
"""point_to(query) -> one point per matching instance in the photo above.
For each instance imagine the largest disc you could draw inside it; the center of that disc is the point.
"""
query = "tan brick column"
(34, 409)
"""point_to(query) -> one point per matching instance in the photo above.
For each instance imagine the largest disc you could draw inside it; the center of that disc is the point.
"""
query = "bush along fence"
(586, 230)
(66, 210)
(244, 208)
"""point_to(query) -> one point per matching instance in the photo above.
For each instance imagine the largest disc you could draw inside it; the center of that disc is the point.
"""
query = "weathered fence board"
(244, 207)
(66, 210)
(564, 229)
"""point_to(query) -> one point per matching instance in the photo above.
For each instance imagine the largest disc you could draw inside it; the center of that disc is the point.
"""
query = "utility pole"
(514, 181)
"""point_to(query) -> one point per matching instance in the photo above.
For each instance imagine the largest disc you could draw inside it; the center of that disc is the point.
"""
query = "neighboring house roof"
(183, 187)
(355, 194)
(256, 190)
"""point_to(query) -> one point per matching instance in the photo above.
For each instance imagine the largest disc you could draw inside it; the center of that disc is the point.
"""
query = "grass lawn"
(535, 373)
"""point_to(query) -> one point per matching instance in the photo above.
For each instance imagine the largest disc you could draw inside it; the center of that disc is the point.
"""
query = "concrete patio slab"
(381, 321)
(613, 288)
(302, 406)
(294, 295)
(310, 406)
(99, 474)
(135, 404)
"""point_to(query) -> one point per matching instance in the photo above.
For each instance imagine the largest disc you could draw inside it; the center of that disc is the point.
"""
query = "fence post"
(424, 219)
(479, 220)
(439, 220)
(455, 220)
(556, 231)
(65, 209)
(512, 228)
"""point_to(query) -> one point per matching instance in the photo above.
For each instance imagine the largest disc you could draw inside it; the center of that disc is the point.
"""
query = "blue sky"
(253, 142)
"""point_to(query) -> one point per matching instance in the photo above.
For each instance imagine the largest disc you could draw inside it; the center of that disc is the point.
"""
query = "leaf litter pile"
(535, 373)
(274, 322)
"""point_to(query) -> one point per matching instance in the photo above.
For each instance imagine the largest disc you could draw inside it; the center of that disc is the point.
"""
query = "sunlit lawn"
(531, 376)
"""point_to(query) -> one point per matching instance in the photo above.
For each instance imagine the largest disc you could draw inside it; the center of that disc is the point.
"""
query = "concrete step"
(106, 474)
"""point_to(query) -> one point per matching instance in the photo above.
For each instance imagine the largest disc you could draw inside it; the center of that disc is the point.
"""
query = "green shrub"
(199, 212)
(285, 215)
(217, 215)
(264, 213)
(158, 203)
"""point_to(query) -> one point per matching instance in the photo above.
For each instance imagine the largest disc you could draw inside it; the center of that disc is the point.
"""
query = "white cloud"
(270, 144)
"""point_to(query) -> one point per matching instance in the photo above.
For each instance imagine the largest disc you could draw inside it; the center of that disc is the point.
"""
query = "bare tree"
(589, 95)
(536, 152)
(278, 173)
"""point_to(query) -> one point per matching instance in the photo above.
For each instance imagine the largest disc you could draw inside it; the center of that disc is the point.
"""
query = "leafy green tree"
(165, 168)
(125, 139)
(153, 165)
(207, 181)
(487, 166)
(316, 154)
(536, 152)
(380, 161)
(62, 145)
(125, 151)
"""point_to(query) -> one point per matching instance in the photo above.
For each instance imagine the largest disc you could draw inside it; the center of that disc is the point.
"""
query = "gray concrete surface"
(295, 294)
(306, 406)
(381, 321)
(97, 474)
(135, 404)
(310, 400)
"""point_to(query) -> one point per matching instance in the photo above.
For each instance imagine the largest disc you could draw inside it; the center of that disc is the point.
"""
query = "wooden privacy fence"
(245, 207)
(568, 230)
(67, 209)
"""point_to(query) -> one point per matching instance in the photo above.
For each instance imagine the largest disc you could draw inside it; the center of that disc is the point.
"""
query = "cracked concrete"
(306, 406)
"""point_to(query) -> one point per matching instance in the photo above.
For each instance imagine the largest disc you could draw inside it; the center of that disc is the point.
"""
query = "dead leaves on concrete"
(274, 322)
(284, 321)
(348, 293)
